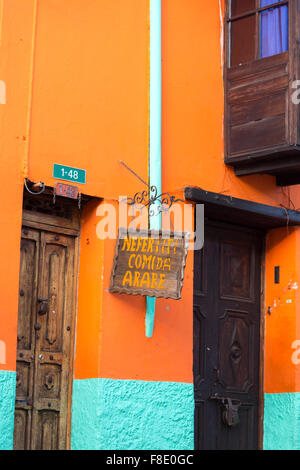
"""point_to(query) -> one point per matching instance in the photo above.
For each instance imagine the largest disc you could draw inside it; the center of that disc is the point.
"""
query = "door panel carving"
(22, 429)
(50, 381)
(27, 293)
(235, 354)
(236, 270)
(48, 430)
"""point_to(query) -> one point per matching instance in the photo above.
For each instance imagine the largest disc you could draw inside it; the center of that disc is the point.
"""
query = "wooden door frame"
(261, 399)
(263, 233)
(48, 223)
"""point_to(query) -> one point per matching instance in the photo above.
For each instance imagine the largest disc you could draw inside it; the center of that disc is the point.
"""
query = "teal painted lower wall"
(7, 408)
(136, 415)
(282, 421)
(132, 415)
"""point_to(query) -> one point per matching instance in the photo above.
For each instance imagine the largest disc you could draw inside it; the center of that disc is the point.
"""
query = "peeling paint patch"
(2, 92)
(222, 33)
(2, 352)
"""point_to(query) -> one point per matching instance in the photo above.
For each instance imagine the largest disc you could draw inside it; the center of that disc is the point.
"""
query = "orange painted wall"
(127, 353)
(90, 97)
(89, 301)
(15, 65)
(78, 94)
(282, 247)
(118, 348)
(192, 154)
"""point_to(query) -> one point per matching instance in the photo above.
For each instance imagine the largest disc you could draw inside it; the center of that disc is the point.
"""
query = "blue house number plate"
(67, 173)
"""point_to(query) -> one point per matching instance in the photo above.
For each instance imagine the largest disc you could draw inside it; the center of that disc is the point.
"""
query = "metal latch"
(230, 410)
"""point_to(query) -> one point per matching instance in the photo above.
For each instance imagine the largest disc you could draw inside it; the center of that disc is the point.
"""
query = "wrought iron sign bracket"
(162, 202)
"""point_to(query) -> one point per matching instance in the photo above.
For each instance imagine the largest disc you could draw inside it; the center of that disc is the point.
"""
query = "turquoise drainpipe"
(155, 130)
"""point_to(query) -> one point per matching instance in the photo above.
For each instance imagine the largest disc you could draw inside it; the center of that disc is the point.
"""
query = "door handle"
(230, 410)
(44, 306)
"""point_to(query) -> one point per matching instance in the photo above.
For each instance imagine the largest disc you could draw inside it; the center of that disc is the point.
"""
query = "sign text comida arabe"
(149, 263)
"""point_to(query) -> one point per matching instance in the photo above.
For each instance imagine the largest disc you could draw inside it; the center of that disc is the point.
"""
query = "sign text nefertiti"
(152, 266)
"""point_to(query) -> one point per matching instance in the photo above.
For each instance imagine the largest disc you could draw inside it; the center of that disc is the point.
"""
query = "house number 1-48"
(71, 174)
(68, 173)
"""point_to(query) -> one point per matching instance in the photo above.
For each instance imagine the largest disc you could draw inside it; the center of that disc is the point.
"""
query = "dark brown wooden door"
(227, 296)
(45, 328)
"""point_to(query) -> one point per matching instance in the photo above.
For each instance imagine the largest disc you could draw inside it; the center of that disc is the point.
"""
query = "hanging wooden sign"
(149, 265)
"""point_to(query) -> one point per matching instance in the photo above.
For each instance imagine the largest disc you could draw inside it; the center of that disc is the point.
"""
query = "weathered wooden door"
(45, 330)
(227, 295)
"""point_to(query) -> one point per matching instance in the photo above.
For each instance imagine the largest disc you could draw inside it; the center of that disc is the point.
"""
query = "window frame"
(257, 11)
(257, 79)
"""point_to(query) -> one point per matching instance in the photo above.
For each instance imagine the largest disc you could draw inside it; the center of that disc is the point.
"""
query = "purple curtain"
(274, 29)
